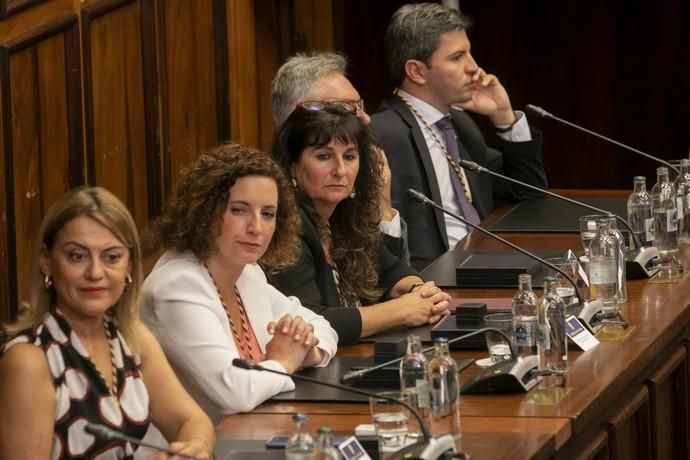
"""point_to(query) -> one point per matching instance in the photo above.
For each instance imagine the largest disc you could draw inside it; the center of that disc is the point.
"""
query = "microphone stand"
(472, 166)
(353, 375)
(429, 448)
(590, 310)
(108, 434)
(543, 113)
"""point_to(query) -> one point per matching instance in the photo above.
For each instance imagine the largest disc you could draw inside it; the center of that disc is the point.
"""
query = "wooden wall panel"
(188, 79)
(26, 161)
(243, 73)
(41, 154)
(162, 80)
(5, 285)
(9, 7)
(121, 148)
(273, 46)
(313, 22)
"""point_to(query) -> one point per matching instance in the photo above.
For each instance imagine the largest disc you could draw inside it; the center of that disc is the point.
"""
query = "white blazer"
(181, 306)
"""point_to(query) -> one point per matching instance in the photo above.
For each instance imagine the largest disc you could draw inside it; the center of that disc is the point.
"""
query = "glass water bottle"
(603, 267)
(552, 341)
(444, 391)
(640, 212)
(525, 316)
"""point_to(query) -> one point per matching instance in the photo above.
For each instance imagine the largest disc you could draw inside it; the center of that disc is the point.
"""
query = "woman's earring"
(47, 282)
(294, 182)
(128, 281)
(353, 193)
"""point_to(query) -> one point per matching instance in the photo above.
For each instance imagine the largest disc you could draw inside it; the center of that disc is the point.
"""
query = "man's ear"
(415, 71)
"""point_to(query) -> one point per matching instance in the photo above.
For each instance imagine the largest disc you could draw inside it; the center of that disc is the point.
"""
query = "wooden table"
(624, 400)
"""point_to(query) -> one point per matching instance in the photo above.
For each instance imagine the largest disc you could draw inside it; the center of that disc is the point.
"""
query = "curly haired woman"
(207, 300)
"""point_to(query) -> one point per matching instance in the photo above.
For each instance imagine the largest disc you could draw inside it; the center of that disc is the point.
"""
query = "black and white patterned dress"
(82, 395)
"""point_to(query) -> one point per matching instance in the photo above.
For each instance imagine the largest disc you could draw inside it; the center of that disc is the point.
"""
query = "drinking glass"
(390, 420)
(588, 229)
(564, 288)
(499, 348)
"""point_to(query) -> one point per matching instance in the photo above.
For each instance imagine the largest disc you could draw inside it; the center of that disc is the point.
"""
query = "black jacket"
(411, 167)
(311, 280)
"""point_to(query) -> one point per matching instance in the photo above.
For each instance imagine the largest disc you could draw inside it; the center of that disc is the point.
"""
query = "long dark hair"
(354, 233)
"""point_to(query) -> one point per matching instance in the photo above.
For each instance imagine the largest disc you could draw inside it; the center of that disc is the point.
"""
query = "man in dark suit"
(424, 129)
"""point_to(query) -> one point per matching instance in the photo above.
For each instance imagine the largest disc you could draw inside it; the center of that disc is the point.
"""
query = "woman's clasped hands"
(425, 304)
(294, 344)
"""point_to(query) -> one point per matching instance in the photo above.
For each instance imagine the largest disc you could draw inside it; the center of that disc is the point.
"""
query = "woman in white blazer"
(208, 302)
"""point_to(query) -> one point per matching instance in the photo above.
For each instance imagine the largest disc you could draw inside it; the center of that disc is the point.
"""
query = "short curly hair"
(191, 219)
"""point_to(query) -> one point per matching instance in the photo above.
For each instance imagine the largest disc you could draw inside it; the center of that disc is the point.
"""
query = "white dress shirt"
(455, 229)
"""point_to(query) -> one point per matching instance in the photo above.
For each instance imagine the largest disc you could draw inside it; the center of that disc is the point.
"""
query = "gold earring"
(47, 282)
(128, 281)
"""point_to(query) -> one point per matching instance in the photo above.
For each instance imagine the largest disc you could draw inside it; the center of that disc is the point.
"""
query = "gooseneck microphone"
(589, 311)
(107, 434)
(354, 375)
(472, 166)
(420, 197)
(245, 364)
(429, 448)
(543, 113)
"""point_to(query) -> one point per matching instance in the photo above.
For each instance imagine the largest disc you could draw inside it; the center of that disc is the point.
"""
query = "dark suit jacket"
(311, 280)
(410, 162)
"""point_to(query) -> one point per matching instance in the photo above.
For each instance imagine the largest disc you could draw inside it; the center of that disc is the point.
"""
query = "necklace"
(113, 366)
(441, 146)
(243, 340)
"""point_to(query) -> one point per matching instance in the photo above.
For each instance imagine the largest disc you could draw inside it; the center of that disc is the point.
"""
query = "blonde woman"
(77, 354)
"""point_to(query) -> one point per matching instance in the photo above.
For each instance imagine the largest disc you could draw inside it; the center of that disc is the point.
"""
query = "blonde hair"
(102, 206)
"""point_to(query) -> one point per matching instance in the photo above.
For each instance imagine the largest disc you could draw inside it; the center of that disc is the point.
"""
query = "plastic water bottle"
(444, 413)
(640, 212)
(414, 382)
(552, 340)
(300, 446)
(325, 450)
(525, 316)
(603, 267)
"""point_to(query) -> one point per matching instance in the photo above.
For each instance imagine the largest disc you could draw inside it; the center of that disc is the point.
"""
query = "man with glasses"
(425, 130)
(311, 79)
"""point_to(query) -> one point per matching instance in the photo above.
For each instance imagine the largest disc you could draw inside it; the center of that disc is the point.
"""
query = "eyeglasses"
(348, 106)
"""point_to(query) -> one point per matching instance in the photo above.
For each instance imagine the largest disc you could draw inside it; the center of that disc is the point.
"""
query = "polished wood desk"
(624, 400)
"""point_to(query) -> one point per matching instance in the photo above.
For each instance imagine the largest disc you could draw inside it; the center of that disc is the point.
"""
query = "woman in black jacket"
(346, 272)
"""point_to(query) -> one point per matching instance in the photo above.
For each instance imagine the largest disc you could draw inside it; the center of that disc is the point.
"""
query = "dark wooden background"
(618, 67)
(124, 93)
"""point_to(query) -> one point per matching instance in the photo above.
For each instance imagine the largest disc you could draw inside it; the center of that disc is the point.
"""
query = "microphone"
(472, 166)
(543, 113)
(590, 310)
(108, 434)
(429, 448)
(636, 261)
(516, 375)
(354, 375)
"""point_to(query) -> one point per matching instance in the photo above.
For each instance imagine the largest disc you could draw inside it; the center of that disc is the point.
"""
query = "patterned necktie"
(462, 189)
